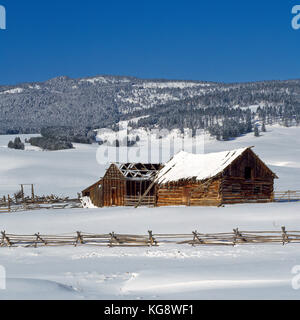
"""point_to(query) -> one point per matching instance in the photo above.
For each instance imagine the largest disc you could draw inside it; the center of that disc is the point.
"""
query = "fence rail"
(287, 196)
(133, 200)
(194, 238)
(22, 203)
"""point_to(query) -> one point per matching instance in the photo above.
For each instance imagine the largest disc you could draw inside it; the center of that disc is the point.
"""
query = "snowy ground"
(166, 272)
(58, 172)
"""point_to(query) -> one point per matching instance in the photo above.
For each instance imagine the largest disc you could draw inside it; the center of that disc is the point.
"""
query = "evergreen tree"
(17, 144)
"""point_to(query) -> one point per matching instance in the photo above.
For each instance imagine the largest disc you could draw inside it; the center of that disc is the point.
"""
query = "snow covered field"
(166, 272)
(60, 172)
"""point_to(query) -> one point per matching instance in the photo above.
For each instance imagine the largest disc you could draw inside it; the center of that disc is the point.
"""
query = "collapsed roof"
(139, 170)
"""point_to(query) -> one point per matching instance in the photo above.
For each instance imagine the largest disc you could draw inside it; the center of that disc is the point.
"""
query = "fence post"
(113, 238)
(38, 237)
(79, 239)
(4, 237)
(285, 238)
(22, 192)
(8, 200)
(196, 237)
(238, 235)
(32, 192)
(151, 238)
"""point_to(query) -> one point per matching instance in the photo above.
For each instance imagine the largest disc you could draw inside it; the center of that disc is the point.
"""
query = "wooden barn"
(124, 185)
(213, 179)
(237, 176)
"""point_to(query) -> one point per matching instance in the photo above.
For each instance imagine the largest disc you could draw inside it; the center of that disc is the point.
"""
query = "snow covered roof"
(187, 166)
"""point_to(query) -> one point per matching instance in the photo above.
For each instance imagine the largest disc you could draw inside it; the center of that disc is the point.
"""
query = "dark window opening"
(248, 173)
(139, 187)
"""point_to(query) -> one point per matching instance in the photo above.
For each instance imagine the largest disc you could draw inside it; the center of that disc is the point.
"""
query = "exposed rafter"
(139, 170)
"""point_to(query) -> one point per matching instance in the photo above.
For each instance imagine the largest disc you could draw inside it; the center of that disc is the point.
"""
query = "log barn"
(123, 185)
(213, 179)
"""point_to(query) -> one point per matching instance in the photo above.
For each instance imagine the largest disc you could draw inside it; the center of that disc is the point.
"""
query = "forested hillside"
(225, 110)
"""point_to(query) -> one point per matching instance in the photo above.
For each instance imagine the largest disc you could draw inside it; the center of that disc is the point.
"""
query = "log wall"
(241, 191)
(190, 194)
(96, 195)
(116, 190)
(238, 187)
(247, 179)
(113, 187)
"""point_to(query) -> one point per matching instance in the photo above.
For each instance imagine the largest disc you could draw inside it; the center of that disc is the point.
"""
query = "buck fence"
(20, 202)
(287, 196)
(194, 238)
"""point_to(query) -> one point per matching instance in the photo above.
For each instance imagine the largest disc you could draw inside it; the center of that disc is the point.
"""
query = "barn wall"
(115, 190)
(114, 187)
(248, 159)
(239, 191)
(236, 187)
(96, 195)
(189, 194)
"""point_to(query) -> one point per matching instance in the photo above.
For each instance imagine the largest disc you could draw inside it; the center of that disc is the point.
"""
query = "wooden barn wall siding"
(190, 194)
(235, 176)
(113, 187)
(237, 169)
(96, 195)
(246, 191)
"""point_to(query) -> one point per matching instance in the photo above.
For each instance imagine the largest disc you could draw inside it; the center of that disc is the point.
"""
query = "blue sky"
(217, 40)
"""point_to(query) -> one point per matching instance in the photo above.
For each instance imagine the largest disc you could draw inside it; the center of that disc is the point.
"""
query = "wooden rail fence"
(21, 203)
(287, 196)
(195, 238)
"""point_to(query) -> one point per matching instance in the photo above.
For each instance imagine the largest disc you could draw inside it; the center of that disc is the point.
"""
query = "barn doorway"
(187, 193)
(114, 197)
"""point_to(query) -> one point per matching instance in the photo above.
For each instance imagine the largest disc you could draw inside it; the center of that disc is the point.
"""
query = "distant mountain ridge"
(103, 101)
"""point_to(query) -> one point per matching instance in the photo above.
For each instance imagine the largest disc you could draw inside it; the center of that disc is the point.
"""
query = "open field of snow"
(60, 172)
(70, 171)
(166, 272)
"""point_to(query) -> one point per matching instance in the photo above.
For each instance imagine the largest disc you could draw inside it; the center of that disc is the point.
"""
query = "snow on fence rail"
(126, 240)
